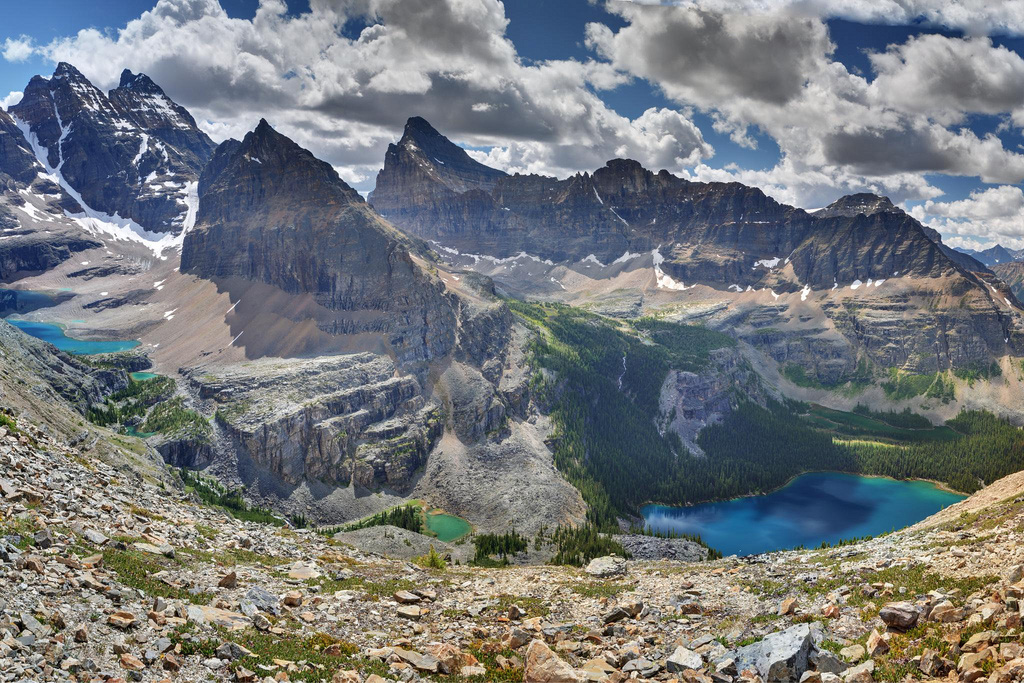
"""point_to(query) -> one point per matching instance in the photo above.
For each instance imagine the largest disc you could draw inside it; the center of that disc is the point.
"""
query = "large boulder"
(606, 567)
(683, 659)
(780, 657)
(899, 616)
(544, 666)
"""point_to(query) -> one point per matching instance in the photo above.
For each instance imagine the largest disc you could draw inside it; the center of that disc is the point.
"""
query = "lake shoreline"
(812, 508)
(937, 484)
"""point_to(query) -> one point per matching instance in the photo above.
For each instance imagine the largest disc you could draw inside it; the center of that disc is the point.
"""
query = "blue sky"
(695, 115)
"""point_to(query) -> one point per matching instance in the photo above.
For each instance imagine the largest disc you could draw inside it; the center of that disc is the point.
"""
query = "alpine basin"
(811, 509)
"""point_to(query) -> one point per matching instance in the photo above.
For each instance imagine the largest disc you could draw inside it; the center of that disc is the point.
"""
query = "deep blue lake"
(816, 507)
(55, 335)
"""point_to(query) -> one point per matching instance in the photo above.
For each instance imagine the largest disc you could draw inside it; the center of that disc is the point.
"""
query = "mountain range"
(996, 255)
(431, 342)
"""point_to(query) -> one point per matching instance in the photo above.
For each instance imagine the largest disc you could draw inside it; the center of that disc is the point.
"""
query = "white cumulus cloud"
(346, 98)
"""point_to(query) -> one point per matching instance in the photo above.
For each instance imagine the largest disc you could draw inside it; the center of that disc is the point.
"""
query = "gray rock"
(607, 567)
(862, 673)
(94, 537)
(616, 614)
(899, 615)
(683, 659)
(824, 661)
(43, 538)
(780, 657)
(263, 599)
(645, 667)
(229, 651)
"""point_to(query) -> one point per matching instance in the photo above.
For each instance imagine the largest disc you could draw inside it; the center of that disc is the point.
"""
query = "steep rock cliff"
(271, 212)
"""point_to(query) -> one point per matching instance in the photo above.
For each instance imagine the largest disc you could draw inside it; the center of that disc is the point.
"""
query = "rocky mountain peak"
(419, 127)
(623, 175)
(138, 82)
(453, 165)
(134, 153)
(70, 73)
(860, 203)
(995, 255)
(425, 157)
(271, 212)
(272, 159)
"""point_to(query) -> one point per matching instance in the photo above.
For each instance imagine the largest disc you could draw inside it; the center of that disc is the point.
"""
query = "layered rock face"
(1013, 275)
(134, 154)
(271, 212)
(337, 419)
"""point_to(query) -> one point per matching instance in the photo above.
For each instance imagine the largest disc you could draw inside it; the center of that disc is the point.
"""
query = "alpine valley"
(518, 351)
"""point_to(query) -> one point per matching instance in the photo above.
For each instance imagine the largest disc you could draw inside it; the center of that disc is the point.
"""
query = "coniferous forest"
(609, 446)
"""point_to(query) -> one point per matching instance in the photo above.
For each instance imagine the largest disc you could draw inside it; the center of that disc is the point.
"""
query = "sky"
(919, 100)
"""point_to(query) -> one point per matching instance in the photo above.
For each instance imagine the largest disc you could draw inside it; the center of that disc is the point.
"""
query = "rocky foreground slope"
(106, 574)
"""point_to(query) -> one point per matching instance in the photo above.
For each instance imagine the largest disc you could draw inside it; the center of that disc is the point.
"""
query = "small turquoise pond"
(817, 507)
(49, 332)
(447, 527)
(142, 376)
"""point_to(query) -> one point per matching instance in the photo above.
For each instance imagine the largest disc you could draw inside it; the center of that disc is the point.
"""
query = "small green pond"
(447, 528)
(142, 376)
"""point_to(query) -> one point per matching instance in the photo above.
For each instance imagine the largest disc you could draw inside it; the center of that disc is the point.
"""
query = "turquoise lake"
(55, 335)
(448, 527)
(142, 376)
(816, 507)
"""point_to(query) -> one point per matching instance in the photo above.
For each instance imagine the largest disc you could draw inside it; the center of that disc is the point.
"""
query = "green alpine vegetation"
(902, 385)
(172, 417)
(132, 401)
(863, 422)
(600, 380)
(603, 397)
(408, 516)
(212, 492)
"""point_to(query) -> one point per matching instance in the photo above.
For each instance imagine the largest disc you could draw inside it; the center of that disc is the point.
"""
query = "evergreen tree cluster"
(990, 449)
(494, 549)
(409, 516)
(907, 419)
(578, 545)
(132, 401)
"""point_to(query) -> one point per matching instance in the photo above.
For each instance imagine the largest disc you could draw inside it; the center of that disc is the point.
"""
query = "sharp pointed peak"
(418, 124)
(67, 70)
(138, 81)
(266, 138)
(265, 133)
